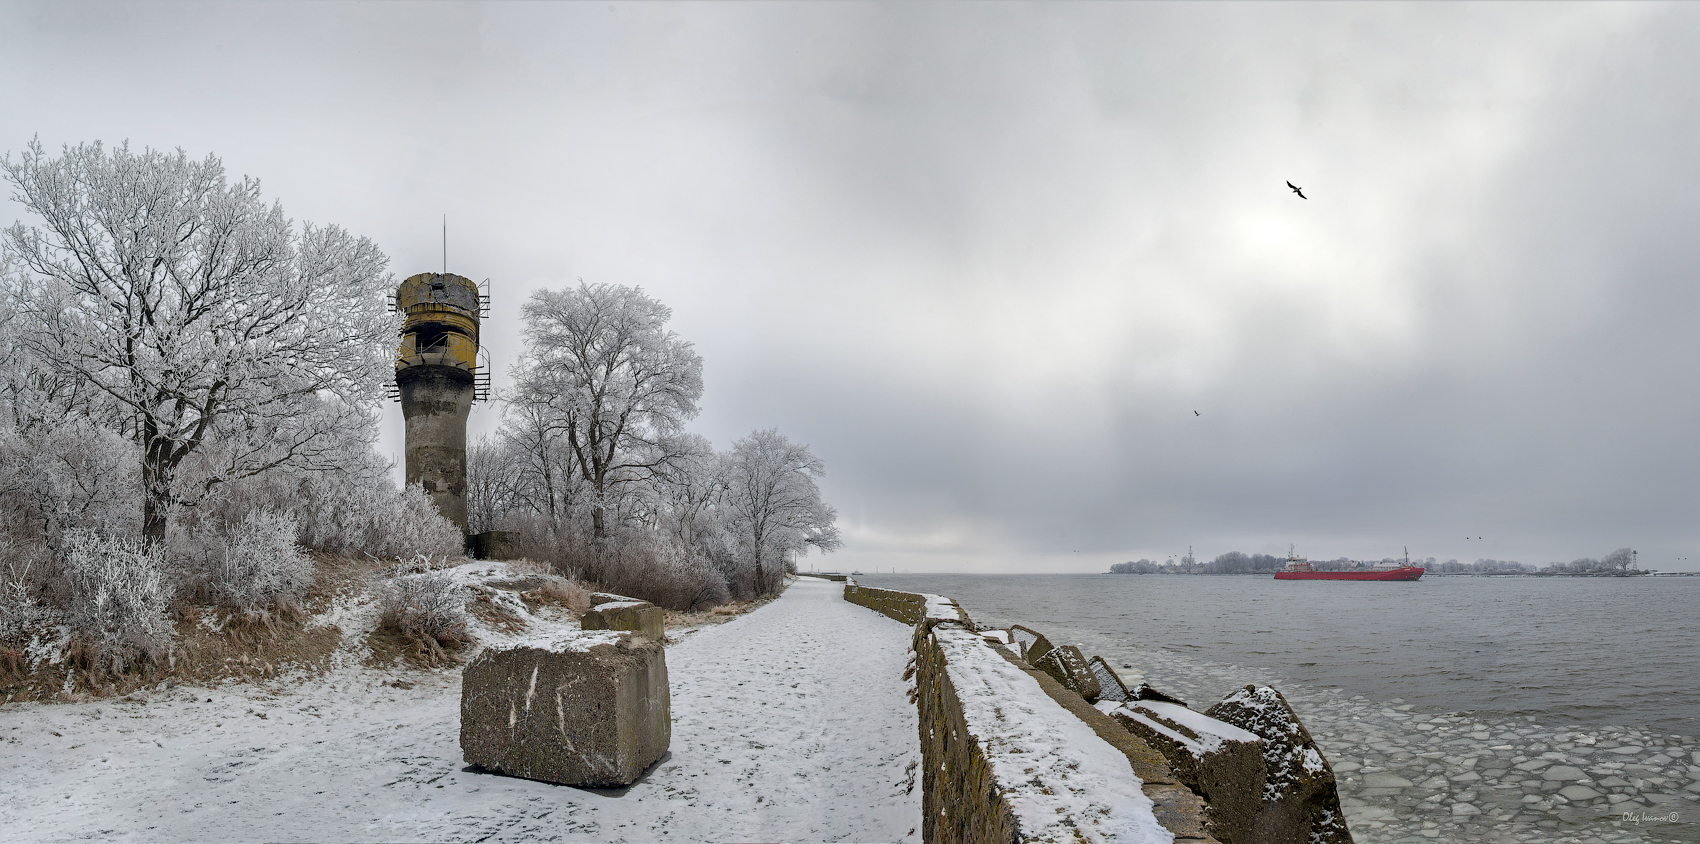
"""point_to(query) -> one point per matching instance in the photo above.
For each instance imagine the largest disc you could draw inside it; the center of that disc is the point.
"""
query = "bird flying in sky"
(1298, 190)
(1196, 413)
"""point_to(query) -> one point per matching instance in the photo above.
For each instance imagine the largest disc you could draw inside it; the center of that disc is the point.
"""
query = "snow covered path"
(790, 723)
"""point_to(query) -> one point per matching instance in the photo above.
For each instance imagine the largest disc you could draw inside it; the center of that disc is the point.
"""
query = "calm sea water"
(1586, 651)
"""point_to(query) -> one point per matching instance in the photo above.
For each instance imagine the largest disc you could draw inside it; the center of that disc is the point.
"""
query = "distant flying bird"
(1196, 413)
(1298, 190)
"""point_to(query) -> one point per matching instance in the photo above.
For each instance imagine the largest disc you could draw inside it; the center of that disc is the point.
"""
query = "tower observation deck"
(438, 378)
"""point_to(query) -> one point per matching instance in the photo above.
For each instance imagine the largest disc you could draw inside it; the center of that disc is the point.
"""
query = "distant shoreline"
(1644, 573)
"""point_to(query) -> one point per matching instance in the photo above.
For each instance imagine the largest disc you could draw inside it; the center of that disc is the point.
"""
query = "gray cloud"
(988, 259)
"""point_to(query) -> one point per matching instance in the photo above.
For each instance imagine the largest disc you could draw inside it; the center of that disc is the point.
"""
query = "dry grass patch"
(211, 644)
(717, 615)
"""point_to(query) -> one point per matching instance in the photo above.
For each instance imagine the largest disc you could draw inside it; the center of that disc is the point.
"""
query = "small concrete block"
(1110, 685)
(1031, 644)
(592, 711)
(642, 618)
(1066, 664)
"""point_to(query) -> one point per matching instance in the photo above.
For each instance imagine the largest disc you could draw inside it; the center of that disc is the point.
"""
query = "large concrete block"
(640, 617)
(1300, 802)
(1220, 762)
(590, 711)
(1069, 667)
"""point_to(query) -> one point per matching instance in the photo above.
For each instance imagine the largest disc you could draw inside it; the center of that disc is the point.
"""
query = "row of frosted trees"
(593, 470)
(1236, 562)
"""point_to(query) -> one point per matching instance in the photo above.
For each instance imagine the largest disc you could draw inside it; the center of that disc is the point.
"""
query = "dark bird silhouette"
(1298, 190)
(1196, 413)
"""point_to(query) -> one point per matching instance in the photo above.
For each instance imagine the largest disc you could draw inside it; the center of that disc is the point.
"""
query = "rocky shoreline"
(1408, 776)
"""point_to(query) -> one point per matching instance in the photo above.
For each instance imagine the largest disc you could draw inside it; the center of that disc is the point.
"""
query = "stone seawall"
(907, 607)
(1011, 755)
(1014, 749)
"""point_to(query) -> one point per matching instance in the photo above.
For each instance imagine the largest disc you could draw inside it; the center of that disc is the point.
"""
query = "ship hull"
(1407, 573)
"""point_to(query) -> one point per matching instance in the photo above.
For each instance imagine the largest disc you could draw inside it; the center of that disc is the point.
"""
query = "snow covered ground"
(790, 723)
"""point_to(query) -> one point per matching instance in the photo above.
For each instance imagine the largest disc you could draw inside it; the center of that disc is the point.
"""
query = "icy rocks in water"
(591, 711)
(1110, 685)
(640, 617)
(1066, 664)
(1300, 802)
(1220, 762)
(1563, 773)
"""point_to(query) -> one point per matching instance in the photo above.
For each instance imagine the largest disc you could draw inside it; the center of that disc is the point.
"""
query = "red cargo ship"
(1299, 569)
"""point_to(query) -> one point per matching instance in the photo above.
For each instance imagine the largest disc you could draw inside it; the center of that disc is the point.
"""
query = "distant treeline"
(1235, 562)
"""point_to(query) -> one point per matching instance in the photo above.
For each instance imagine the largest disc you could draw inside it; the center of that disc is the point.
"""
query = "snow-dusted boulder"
(1220, 762)
(589, 710)
(1069, 667)
(1300, 803)
(640, 617)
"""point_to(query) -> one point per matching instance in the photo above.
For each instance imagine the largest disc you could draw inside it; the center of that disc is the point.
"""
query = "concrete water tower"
(437, 379)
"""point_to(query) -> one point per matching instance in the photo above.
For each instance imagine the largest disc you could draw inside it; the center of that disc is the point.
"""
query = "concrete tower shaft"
(436, 369)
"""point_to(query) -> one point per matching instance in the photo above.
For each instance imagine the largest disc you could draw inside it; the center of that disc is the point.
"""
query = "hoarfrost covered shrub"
(24, 619)
(262, 567)
(118, 600)
(427, 609)
(349, 517)
(639, 564)
(69, 473)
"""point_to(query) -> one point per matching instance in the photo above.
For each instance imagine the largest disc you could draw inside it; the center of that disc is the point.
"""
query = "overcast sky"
(1028, 277)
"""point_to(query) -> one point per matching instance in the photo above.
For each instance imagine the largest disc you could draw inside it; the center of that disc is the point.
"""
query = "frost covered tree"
(774, 506)
(547, 484)
(604, 372)
(690, 493)
(495, 483)
(1621, 560)
(197, 311)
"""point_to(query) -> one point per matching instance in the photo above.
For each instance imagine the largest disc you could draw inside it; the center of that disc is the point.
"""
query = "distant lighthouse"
(437, 376)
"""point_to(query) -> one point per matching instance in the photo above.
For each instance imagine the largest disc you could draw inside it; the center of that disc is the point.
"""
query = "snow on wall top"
(940, 608)
(620, 605)
(559, 641)
(1063, 782)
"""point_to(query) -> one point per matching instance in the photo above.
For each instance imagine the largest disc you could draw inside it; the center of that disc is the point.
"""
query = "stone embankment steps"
(790, 723)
